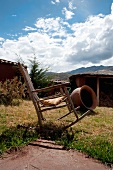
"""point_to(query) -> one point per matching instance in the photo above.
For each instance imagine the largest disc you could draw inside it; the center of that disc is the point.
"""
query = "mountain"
(58, 76)
(65, 75)
(90, 69)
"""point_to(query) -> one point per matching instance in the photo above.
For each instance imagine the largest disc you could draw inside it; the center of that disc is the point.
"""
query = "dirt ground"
(46, 155)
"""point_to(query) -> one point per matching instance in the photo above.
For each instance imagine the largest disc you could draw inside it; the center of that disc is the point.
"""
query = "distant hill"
(65, 75)
(90, 69)
(59, 76)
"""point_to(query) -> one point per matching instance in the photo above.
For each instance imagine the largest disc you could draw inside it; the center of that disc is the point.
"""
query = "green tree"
(38, 75)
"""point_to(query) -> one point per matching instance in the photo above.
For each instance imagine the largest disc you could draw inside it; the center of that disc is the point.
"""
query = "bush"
(38, 75)
(11, 91)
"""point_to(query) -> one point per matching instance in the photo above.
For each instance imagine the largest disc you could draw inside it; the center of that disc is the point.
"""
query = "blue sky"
(62, 34)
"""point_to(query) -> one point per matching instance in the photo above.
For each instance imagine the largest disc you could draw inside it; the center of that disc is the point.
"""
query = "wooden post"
(97, 91)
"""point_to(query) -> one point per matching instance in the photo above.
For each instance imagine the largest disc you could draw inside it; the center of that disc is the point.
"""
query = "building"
(100, 81)
(8, 70)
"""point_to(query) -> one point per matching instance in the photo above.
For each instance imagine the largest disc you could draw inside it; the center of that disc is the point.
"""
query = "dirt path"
(45, 155)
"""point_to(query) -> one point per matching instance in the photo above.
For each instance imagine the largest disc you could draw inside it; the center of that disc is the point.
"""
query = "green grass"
(15, 137)
(95, 146)
(93, 135)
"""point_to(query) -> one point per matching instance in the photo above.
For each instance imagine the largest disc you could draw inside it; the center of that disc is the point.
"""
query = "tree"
(38, 75)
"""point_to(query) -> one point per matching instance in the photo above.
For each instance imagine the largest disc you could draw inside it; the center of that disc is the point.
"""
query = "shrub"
(11, 91)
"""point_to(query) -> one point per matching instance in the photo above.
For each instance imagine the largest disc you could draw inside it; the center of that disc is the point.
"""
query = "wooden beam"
(97, 91)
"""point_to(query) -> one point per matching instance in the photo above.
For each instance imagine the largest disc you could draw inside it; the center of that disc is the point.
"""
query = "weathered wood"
(81, 117)
(30, 89)
(71, 103)
(50, 87)
(98, 91)
(40, 103)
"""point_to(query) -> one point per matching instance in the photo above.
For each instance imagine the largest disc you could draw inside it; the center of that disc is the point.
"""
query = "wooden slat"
(50, 88)
(62, 92)
(98, 91)
(30, 89)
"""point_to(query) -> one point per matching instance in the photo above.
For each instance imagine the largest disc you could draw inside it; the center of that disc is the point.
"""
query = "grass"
(93, 135)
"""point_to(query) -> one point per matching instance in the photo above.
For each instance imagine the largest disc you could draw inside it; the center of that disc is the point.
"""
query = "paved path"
(45, 155)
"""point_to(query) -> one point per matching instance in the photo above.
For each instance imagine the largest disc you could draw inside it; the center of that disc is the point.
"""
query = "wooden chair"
(60, 99)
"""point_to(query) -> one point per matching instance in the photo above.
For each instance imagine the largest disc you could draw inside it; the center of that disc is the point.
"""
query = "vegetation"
(38, 75)
(18, 122)
(11, 91)
(59, 76)
(93, 135)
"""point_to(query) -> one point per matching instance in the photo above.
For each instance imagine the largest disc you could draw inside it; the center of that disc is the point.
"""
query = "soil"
(46, 155)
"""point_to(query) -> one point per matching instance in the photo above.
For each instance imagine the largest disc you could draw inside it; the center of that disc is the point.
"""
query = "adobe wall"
(7, 71)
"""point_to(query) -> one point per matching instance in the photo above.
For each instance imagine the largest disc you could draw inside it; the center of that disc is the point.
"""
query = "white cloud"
(14, 15)
(54, 2)
(71, 6)
(93, 41)
(27, 28)
(57, 1)
(54, 27)
(2, 39)
(68, 14)
(82, 44)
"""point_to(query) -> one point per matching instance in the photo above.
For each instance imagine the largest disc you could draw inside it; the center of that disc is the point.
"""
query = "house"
(8, 70)
(100, 81)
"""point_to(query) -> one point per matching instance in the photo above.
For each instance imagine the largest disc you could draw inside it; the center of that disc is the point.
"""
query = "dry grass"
(100, 122)
(11, 116)
(93, 134)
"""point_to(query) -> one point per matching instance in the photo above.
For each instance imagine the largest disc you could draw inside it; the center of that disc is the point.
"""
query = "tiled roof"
(102, 73)
(8, 62)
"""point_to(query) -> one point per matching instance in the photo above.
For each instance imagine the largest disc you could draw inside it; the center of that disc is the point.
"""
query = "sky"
(62, 34)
